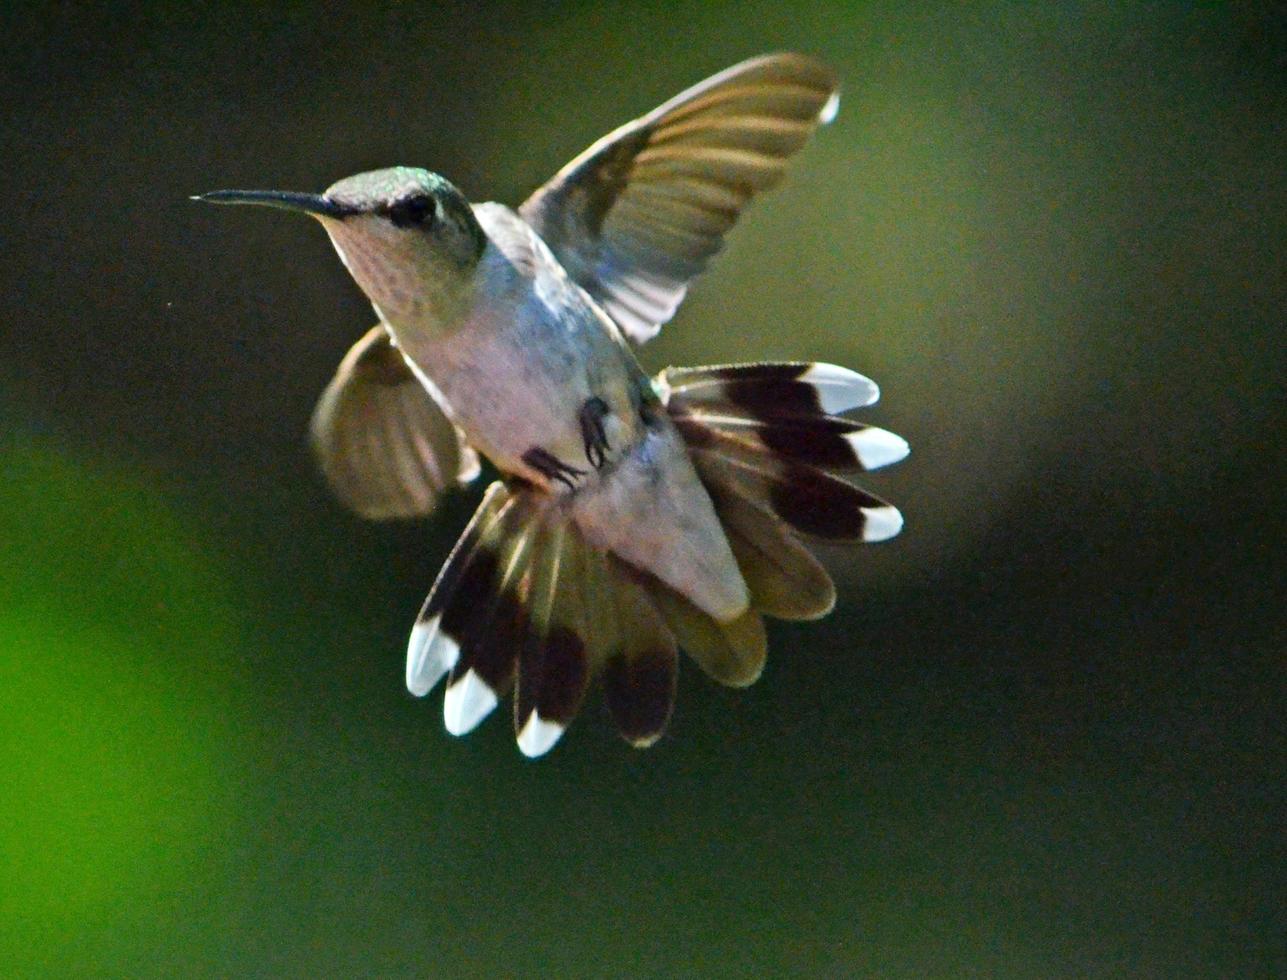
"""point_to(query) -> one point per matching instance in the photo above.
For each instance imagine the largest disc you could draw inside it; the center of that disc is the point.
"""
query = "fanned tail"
(525, 604)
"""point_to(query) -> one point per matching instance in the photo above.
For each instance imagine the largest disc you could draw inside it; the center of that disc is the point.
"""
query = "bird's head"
(405, 234)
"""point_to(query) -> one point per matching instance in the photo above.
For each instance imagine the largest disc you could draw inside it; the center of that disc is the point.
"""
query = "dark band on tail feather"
(640, 692)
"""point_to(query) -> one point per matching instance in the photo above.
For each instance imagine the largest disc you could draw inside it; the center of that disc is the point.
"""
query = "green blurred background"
(1042, 734)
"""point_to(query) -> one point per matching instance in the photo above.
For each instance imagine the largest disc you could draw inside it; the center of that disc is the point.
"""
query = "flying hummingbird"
(634, 515)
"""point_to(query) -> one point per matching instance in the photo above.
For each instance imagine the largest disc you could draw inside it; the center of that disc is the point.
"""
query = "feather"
(492, 630)
(825, 441)
(640, 678)
(433, 650)
(811, 501)
(770, 391)
(732, 653)
(553, 665)
(785, 580)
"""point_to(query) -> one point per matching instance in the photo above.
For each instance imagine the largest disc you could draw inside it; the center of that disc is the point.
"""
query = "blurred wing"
(385, 444)
(637, 215)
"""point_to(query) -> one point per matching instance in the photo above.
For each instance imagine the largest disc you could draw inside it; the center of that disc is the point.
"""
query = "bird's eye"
(412, 212)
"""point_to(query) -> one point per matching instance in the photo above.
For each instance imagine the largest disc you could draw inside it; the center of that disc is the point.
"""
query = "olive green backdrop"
(1042, 734)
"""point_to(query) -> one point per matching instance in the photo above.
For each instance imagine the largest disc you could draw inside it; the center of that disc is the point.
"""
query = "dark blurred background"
(1042, 734)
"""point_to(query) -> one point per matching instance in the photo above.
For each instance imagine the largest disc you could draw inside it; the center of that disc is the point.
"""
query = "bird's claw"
(551, 467)
(593, 412)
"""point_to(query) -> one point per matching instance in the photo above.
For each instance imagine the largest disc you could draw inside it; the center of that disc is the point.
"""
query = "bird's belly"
(519, 385)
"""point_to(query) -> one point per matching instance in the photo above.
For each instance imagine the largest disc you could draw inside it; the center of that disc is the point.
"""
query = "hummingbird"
(634, 515)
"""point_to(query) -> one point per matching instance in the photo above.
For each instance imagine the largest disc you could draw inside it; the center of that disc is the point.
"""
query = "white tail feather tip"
(840, 389)
(828, 111)
(878, 447)
(538, 736)
(430, 654)
(881, 523)
(467, 702)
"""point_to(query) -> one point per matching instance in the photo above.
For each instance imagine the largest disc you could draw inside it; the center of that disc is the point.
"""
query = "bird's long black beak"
(285, 200)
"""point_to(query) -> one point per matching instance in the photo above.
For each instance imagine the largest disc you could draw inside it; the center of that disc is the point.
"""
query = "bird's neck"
(419, 295)
(429, 306)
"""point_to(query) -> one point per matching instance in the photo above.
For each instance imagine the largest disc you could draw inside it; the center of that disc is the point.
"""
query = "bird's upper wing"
(386, 445)
(637, 215)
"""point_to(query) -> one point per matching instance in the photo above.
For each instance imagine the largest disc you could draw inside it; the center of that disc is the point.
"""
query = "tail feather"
(826, 441)
(494, 622)
(553, 669)
(779, 391)
(785, 580)
(732, 653)
(431, 650)
(603, 622)
(519, 605)
(640, 675)
(766, 441)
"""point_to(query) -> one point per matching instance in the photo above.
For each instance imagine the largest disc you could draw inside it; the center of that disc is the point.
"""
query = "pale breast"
(529, 352)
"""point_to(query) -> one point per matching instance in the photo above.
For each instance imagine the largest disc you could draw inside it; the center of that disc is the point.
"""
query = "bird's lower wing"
(386, 445)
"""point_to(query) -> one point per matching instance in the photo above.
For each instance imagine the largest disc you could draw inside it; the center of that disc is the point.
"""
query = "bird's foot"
(593, 412)
(551, 467)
